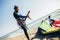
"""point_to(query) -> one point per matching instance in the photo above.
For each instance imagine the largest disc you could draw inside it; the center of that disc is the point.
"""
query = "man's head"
(49, 16)
(16, 8)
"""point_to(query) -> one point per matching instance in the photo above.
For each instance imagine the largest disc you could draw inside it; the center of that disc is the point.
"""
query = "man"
(51, 21)
(21, 20)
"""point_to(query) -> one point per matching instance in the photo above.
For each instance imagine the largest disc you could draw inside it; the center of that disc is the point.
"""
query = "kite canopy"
(44, 25)
(56, 23)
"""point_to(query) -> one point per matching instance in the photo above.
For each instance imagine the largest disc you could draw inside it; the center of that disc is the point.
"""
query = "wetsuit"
(21, 22)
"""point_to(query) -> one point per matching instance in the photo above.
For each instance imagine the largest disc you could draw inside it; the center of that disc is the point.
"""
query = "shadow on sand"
(50, 35)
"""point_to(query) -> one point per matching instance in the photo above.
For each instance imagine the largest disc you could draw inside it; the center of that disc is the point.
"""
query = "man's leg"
(25, 31)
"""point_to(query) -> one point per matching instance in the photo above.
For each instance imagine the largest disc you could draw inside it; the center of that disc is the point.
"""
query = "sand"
(22, 36)
(31, 34)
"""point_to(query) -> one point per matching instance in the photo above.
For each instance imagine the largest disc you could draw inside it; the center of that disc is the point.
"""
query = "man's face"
(16, 10)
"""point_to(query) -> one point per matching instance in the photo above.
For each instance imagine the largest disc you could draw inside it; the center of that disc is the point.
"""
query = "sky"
(38, 9)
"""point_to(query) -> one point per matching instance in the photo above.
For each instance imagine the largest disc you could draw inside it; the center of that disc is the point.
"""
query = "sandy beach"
(31, 34)
(22, 36)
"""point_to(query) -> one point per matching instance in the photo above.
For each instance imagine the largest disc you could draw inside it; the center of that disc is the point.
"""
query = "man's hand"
(28, 13)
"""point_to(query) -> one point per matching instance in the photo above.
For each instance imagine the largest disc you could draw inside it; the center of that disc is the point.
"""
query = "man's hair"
(15, 7)
(49, 16)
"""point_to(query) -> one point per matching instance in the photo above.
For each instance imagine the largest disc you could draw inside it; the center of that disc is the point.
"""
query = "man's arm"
(51, 19)
(28, 14)
(23, 16)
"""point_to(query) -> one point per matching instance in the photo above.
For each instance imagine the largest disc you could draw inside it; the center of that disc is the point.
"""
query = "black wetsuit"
(23, 18)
